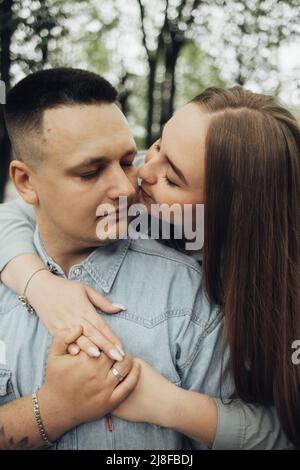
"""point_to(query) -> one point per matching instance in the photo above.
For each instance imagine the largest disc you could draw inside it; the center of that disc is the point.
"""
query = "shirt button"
(51, 267)
(78, 272)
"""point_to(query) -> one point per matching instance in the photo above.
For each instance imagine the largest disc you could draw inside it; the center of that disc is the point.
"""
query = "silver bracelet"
(38, 419)
(23, 299)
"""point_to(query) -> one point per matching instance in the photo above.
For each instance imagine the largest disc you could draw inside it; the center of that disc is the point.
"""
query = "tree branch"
(180, 10)
(142, 14)
(196, 4)
(160, 40)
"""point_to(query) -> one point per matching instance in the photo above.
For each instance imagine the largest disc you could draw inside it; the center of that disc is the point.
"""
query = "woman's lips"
(145, 194)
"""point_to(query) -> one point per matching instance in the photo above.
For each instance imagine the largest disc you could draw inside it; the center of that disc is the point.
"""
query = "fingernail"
(114, 354)
(120, 306)
(74, 350)
(121, 351)
(94, 352)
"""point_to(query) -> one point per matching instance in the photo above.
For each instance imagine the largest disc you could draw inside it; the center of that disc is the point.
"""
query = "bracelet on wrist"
(39, 421)
(22, 298)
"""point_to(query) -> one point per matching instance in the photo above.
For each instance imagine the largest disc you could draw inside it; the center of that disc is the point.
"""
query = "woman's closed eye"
(169, 182)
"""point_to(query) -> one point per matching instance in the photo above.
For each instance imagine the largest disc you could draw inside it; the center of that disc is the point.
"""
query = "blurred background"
(158, 53)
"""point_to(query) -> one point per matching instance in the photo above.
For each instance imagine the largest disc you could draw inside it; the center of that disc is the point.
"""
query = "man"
(74, 151)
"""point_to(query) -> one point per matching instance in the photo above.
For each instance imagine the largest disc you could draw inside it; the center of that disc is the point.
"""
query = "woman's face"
(173, 172)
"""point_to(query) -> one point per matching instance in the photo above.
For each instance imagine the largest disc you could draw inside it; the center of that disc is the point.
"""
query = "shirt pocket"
(7, 393)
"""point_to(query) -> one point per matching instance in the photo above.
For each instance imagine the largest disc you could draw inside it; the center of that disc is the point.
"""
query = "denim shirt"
(168, 322)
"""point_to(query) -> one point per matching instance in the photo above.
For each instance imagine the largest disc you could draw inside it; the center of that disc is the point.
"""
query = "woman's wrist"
(37, 287)
(195, 415)
(169, 409)
(177, 400)
(17, 272)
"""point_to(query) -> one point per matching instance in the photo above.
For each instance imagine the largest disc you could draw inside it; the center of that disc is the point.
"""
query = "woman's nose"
(147, 173)
(152, 151)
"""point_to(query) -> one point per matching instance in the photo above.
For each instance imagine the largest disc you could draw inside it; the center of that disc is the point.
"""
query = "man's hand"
(79, 389)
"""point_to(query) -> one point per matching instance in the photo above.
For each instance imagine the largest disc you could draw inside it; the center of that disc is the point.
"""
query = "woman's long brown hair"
(252, 243)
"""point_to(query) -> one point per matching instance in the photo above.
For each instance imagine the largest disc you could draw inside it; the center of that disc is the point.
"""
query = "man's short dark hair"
(46, 89)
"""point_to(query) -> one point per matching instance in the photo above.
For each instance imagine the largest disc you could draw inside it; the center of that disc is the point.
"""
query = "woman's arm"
(17, 223)
(156, 400)
(60, 303)
(246, 426)
(237, 425)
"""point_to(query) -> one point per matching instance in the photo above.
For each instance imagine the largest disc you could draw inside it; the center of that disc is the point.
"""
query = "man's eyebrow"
(100, 160)
(133, 151)
(88, 162)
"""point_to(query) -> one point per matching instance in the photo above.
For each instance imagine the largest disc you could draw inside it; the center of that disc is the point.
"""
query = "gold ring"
(117, 374)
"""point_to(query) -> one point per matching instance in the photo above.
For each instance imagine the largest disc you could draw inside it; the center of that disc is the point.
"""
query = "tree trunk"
(6, 32)
(240, 79)
(173, 78)
(169, 89)
(124, 93)
(150, 99)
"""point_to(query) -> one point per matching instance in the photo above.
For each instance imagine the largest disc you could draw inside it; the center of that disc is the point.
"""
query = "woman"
(239, 153)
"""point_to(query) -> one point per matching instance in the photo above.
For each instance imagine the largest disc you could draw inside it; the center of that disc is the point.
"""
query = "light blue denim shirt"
(168, 323)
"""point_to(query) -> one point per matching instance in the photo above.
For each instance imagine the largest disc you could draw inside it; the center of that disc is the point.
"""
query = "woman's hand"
(154, 399)
(62, 303)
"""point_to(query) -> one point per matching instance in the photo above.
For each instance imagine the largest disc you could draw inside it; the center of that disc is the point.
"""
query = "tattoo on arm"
(7, 443)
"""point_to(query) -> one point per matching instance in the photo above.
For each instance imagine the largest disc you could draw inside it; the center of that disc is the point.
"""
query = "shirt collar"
(102, 264)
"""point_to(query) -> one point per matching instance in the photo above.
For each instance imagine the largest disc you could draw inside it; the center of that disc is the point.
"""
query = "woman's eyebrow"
(176, 170)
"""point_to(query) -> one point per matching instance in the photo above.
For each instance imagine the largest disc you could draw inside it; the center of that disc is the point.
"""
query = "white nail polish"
(94, 352)
(121, 351)
(121, 307)
(74, 350)
(114, 354)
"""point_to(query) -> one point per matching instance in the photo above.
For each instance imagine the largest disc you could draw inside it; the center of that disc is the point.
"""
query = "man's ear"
(22, 177)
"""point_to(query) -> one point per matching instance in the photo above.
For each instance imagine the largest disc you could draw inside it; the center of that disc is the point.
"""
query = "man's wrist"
(54, 415)
(39, 421)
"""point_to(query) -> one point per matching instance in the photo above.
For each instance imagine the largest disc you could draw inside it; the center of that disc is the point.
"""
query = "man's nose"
(122, 185)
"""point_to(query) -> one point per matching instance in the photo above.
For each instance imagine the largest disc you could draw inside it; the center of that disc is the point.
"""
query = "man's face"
(89, 153)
